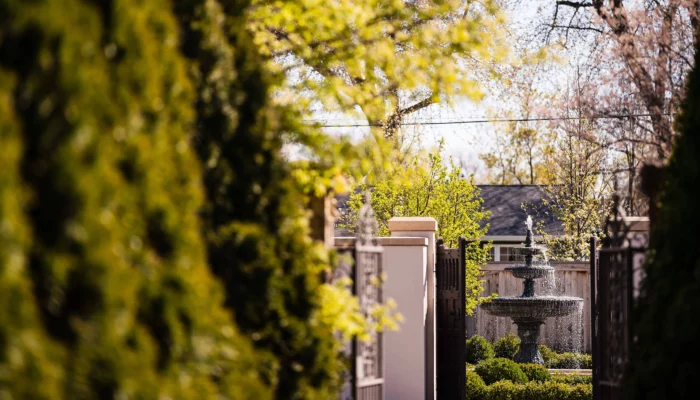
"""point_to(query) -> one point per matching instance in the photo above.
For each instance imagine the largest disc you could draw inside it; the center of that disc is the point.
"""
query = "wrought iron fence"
(616, 271)
(362, 263)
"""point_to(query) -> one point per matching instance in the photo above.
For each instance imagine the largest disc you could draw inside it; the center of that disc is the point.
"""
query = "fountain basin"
(530, 272)
(536, 308)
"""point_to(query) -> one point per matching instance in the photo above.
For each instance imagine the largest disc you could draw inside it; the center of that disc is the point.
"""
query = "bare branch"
(574, 4)
(577, 28)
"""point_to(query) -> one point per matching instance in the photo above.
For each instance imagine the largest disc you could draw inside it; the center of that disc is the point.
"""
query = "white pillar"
(424, 227)
(405, 259)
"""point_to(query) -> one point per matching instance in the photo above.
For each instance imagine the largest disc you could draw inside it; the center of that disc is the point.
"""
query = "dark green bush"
(141, 156)
(105, 290)
(254, 217)
(664, 356)
(547, 353)
(476, 388)
(497, 369)
(507, 390)
(535, 372)
(573, 379)
(478, 349)
(570, 361)
(507, 346)
(581, 391)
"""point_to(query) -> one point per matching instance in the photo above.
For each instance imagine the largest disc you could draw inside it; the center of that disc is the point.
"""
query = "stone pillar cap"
(406, 224)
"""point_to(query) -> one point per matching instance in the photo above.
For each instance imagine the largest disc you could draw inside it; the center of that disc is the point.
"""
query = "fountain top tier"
(530, 271)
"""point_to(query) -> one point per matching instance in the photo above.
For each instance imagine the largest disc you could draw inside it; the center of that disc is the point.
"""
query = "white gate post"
(425, 227)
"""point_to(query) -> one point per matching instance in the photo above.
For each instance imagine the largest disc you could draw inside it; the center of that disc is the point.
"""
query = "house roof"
(508, 205)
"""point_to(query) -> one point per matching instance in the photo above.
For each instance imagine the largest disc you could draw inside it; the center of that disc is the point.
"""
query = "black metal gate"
(615, 273)
(363, 264)
(451, 330)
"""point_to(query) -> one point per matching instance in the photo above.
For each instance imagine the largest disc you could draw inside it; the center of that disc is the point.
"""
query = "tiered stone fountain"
(530, 311)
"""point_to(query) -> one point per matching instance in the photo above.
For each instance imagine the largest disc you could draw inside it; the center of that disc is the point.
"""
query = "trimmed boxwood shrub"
(478, 349)
(573, 379)
(497, 369)
(570, 361)
(535, 372)
(476, 388)
(507, 346)
(506, 390)
(547, 353)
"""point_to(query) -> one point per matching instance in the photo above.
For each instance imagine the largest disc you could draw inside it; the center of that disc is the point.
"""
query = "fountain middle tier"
(536, 308)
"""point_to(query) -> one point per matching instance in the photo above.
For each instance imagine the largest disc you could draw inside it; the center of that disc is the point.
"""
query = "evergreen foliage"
(665, 351)
(496, 369)
(535, 372)
(475, 386)
(478, 349)
(507, 390)
(507, 346)
(547, 353)
(141, 152)
(104, 286)
(253, 217)
(569, 361)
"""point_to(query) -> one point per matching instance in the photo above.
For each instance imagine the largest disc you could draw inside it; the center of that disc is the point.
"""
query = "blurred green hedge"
(152, 244)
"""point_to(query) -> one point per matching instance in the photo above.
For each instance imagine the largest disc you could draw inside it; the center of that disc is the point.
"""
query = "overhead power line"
(486, 120)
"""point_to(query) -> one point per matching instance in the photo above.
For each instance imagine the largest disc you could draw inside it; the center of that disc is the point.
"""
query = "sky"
(464, 142)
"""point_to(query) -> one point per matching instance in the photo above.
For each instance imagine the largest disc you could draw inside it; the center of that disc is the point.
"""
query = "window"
(507, 255)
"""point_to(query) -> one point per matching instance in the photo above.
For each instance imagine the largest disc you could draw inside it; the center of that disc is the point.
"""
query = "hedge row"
(570, 361)
(153, 243)
(500, 378)
(573, 379)
(507, 390)
(479, 349)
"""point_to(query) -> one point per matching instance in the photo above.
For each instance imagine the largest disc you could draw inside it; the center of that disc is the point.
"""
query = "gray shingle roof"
(507, 214)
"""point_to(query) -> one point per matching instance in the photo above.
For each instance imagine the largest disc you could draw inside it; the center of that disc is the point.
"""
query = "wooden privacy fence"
(571, 333)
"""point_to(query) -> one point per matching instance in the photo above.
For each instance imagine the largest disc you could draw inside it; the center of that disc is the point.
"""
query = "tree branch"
(417, 106)
(577, 28)
(573, 4)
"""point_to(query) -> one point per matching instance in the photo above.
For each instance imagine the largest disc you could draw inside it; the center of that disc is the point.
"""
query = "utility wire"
(485, 121)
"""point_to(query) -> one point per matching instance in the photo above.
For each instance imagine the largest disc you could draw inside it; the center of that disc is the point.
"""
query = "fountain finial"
(528, 237)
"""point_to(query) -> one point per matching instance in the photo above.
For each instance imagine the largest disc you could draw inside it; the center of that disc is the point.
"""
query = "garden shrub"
(665, 352)
(547, 353)
(254, 217)
(535, 372)
(573, 379)
(476, 387)
(105, 291)
(581, 391)
(141, 160)
(507, 346)
(497, 369)
(570, 361)
(507, 390)
(478, 349)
